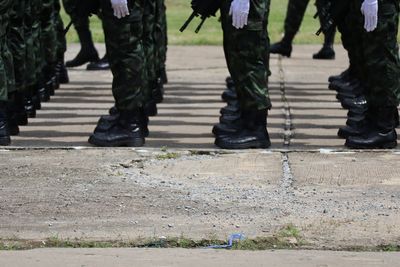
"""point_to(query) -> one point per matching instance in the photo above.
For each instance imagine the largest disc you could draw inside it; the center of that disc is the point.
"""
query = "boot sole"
(249, 145)
(5, 141)
(389, 145)
(122, 143)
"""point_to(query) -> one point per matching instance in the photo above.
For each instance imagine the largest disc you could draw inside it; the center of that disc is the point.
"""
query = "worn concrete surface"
(336, 198)
(195, 258)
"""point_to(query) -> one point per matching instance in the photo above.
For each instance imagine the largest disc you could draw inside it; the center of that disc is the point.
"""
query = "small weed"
(168, 155)
(289, 230)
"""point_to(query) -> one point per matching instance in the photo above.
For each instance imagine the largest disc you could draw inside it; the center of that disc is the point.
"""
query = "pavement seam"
(288, 126)
(287, 178)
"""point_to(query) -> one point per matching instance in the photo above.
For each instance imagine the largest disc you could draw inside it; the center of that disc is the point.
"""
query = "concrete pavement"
(195, 258)
(54, 184)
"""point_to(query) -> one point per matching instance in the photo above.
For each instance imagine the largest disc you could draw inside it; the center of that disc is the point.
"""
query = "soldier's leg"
(16, 42)
(246, 51)
(88, 52)
(150, 47)
(162, 39)
(326, 51)
(380, 75)
(49, 44)
(61, 71)
(7, 83)
(30, 61)
(294, 16)
(126, 56)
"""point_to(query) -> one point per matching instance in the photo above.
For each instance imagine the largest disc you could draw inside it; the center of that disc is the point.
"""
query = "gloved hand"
(120, 8)
(239, 12)
(369, 9)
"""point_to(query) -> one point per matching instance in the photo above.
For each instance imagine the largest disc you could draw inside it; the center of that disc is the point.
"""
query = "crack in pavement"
(287, 178)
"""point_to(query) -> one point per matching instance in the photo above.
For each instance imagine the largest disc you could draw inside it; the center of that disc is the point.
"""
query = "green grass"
(211, 34)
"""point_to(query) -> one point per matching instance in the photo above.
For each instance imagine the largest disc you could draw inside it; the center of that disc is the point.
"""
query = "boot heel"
(390, 145)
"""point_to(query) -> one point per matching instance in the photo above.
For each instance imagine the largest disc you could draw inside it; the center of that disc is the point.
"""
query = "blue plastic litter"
(232, 238)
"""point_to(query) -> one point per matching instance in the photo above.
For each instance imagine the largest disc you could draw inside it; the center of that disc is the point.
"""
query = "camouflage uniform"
(80, 23)
(31, 41)
(246, 51)
(61, 45)
(149, 46)
(7, 80)
(377, 54)
(295, 14)
(16, 42)
(123, 38)
(48, 37)
(161, 35)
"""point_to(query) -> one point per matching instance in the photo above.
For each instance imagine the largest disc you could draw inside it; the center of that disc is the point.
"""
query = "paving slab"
(195, 258)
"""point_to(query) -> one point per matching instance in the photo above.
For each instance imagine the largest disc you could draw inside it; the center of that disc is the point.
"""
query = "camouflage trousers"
(377, 53)
(123, 38)
(161, 36)
(16, 42)
(149, 46)
(48, 36)
(7, 79)
(61, 43)
(246, 53)
(80, 23)
(295, 14)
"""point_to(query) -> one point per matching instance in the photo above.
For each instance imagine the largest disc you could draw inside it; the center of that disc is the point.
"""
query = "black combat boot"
(233, 107)
(157, 90)
(62, 73)
(344, 76)
(126, 131)
(356, 124)
(163, 75)
(88, 52)
(381, 134)
(101, 64)
(43, 90)
(344, 85)
(5, 139)
(150, 108)
(283, 48)
(326, 52)
(12, 117)
(16, 105)
(254, 134)
(29, 106)
(107, 121)
(230, 120)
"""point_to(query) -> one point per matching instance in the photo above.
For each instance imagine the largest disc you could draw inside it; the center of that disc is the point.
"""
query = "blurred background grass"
(179, 10)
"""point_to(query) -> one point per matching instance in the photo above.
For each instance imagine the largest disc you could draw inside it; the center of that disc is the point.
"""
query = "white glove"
(239, 12)
(120, 8)
(369, 9)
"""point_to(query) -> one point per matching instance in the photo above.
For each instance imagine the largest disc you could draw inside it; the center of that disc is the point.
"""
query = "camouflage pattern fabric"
(7, 80)
(16, 42)
(80, 23)
(61, 45)
(246, 51)
(161, 38)
(294, 16)
(123, 38)
(30, 41)
(48, 35)
(149, 46)
(378, 54)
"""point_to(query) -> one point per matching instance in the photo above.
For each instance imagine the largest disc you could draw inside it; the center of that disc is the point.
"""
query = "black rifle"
(332, 12)
(84, 8)
(204, 9)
